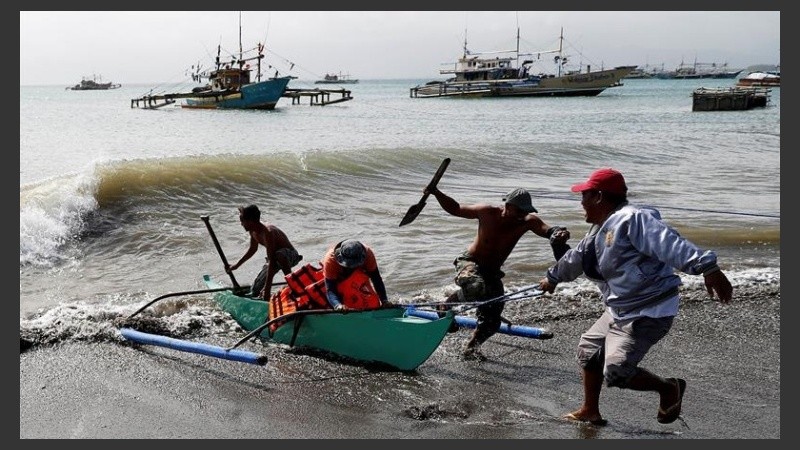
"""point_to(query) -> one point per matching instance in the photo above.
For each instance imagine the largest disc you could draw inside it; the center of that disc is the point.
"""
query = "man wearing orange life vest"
(349, 267)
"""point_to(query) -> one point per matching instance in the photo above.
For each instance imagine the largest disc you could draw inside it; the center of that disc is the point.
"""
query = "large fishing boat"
(509, 75)
(229, 85)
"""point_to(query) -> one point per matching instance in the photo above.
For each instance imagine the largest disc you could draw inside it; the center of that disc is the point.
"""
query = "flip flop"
(671, 414)
(572, 417)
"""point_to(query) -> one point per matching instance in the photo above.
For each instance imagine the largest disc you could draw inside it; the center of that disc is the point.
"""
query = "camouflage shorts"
(475, 285)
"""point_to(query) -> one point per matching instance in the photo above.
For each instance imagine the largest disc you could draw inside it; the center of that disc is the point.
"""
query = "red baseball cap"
(606, 180)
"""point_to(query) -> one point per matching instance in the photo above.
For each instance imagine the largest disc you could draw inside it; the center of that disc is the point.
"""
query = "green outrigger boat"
(387, 335)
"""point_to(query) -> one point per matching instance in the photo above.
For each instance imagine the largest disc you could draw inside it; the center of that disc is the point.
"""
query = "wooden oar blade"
(412, 213)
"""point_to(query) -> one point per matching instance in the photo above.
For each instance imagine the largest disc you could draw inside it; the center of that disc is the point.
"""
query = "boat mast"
(517, 16)
(465, 43)
(241, 62)
(560, 48)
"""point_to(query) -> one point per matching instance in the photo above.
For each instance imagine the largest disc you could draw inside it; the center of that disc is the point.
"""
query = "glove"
(557, 234)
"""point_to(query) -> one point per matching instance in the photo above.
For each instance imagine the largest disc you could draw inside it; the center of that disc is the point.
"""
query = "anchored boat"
(509, 75)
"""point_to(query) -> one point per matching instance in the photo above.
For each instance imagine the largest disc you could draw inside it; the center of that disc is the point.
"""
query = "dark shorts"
(286, 259)
(619, 346)
(477, 286)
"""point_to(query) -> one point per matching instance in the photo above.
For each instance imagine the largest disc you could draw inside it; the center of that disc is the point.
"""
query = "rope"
(715, 211)
(524, 293)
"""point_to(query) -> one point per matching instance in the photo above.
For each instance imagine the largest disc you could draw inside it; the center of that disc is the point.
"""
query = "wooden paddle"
(414, 210)
(175, 294)
(221, 254)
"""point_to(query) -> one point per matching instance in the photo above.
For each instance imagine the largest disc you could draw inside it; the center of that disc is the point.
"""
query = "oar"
(201, 291)
(414, 210)
(175, 294)
(305, 312)
(221, 254)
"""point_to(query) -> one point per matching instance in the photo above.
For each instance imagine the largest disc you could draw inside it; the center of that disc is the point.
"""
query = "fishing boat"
(94, 84)
(388, 336)
(232, 84)
(760, 79)
(486, 75)
(700, 70)
(340, 78)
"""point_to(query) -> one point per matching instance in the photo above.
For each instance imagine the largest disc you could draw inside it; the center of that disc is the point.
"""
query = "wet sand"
(729, 355)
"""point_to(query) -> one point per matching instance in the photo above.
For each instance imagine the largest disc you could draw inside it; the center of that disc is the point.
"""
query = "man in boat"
(478, 273)
(281, 255)
(352, 277)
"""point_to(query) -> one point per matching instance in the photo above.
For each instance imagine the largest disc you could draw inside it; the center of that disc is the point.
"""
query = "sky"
(133, 47)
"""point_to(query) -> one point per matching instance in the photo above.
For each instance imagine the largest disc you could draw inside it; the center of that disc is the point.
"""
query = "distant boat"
(760, 79)
(228, 86)
(332, 78)
(481, 75)
(93, 84)
(700, 70)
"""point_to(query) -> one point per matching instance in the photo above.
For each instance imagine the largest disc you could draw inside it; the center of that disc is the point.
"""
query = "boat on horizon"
(94, 84)
(333, 78)
(484, 75)
(228, 85)
(699, 70)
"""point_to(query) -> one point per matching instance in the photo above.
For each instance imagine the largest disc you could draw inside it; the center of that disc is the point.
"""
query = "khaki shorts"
(619, 346)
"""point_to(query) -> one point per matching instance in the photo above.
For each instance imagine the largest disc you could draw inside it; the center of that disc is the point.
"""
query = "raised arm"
(451, 206)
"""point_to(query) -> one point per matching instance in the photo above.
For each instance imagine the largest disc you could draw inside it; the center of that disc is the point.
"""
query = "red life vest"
(305, 289)
(356, 291)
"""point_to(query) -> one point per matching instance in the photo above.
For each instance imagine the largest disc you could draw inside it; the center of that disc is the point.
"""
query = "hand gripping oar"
(221, 254)
(414, 210)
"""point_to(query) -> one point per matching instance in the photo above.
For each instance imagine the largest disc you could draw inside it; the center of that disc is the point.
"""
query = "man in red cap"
(478, 273)
(631, 255)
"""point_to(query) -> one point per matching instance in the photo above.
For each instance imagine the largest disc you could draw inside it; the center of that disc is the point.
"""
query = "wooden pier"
(729, 99)
(318, 97)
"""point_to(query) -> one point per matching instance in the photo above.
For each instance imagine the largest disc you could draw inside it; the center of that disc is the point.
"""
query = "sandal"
(575, 418)
(670, 414)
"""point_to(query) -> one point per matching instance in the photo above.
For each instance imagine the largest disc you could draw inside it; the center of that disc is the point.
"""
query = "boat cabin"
(474, 68)
(229, 79)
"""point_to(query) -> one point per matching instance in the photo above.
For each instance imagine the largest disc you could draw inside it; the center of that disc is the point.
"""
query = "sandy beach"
(729, 355)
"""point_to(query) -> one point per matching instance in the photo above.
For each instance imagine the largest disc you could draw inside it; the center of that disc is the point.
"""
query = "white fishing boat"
(507, 73)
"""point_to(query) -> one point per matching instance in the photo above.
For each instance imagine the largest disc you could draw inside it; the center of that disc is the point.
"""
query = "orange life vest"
(356, 292)
(305, 289)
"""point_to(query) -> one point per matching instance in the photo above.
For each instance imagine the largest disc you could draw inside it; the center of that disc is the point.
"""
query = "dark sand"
(729, 355)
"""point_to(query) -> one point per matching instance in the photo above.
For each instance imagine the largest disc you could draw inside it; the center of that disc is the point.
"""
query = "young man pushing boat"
(281, 254)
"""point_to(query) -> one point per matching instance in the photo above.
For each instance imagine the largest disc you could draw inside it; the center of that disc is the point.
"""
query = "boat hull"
(574, 85)
(387, 336)
(260, 95)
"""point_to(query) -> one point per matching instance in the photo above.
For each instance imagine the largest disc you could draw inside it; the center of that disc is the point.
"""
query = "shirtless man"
(478, 269)
(281, 255)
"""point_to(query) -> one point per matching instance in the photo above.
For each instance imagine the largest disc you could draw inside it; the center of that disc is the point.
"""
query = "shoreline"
(729, 355)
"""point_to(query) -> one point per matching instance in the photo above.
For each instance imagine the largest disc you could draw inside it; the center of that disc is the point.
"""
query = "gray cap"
(521, 199)
(350, 253)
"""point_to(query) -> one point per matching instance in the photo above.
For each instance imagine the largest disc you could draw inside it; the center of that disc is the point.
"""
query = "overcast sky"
(157, 47)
